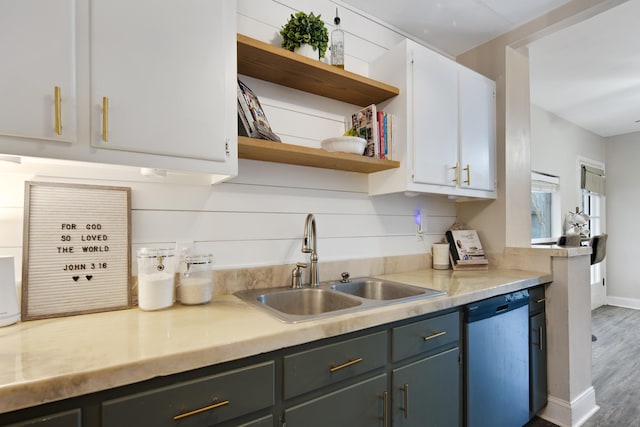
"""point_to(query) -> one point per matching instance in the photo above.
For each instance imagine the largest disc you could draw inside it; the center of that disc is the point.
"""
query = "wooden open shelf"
(277, 65)
(279, 152)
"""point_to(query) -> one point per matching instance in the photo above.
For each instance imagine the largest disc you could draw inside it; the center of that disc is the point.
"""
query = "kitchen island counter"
(54, 359)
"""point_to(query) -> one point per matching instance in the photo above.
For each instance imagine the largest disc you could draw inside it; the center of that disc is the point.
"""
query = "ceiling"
(588, 74)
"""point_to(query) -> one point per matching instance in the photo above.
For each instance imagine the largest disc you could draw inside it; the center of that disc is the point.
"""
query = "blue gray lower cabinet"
(69, 418)
(359, 405)
(427, 392)
(537, 351)
(204, 401)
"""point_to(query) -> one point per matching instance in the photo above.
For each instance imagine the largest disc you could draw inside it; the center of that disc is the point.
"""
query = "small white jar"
(196, 279)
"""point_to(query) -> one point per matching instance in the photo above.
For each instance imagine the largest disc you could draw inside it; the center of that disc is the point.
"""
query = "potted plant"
(304, 29)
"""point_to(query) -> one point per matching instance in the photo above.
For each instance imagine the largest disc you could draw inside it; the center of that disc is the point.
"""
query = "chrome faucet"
(310, 235)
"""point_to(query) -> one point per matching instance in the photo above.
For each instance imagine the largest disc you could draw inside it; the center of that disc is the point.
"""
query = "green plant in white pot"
(303, 29)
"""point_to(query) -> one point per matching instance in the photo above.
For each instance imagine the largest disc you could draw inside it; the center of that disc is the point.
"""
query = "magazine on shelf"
(365, 123)
(256, 120)
(466, 249)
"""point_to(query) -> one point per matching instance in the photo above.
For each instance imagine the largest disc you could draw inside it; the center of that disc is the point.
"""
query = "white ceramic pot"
(308, 51)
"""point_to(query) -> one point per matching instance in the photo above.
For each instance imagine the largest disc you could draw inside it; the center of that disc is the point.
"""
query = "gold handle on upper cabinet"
(456, 179)
(385, 398)
(405, 391)
(468, 169)
(199, 411)
(541, 300)
(345, 365)
(58, 102)
(105, 119)
(434, 335)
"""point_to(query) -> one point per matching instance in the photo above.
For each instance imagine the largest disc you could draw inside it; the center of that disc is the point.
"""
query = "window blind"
(592, 179)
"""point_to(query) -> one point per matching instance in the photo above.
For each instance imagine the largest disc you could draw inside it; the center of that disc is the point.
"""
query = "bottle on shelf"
(337, 44)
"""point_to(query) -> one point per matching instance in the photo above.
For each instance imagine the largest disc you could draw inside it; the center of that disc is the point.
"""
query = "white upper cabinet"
(435, 118)
(158, 78)
(149, 83)
(444, 126)
(38, 79)
(477, 96)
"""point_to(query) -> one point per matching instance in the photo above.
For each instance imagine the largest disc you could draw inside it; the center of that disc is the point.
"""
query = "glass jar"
(196, 279)
(156, 278)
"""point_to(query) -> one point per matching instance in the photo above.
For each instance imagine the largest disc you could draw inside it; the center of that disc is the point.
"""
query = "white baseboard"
(570, 414)
(624, 302)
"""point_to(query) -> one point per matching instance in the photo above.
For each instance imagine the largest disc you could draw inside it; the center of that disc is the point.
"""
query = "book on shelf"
(251, 115)
(374, 126)
(466, 250)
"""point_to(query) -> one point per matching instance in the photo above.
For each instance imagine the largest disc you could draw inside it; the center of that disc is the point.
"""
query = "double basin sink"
(333, 298)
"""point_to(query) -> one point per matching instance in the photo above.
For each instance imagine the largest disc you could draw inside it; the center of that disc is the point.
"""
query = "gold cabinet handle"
(456, 179)
(385, 398)
(405, 391)
(468, 169)
(434, 335)
(58, 102)
(199, 411)
(105, 119)
(541, 300)
(345, 365)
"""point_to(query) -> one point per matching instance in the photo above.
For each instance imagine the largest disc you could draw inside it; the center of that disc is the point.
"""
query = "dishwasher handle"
(495, 306)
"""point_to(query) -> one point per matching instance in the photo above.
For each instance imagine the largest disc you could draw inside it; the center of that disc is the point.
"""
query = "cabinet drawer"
(326, 365)
(62, 419)
(238, 392)
(536, 300)
(425, 335)
(358, 405)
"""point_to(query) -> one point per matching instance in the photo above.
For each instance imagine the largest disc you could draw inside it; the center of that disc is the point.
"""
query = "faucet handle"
(345, 277)
(296, 275)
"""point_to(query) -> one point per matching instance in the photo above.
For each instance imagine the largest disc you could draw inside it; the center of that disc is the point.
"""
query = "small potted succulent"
(303, 29)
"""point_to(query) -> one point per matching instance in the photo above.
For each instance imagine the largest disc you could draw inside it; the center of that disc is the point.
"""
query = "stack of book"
(466, 251)
(252, 121)
(375, 127)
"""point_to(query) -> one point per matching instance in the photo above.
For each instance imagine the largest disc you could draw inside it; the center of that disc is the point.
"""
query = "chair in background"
(598, 251)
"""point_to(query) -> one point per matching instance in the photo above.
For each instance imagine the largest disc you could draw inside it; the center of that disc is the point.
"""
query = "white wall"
(257, 218)
(556, 146)
(623, 203)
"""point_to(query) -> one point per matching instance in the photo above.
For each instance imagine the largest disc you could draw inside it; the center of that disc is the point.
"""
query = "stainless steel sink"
(333, 298)
(308, 301)
(381, 289)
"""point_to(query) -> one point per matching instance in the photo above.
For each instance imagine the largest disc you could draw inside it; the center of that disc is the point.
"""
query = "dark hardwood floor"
(616, 368)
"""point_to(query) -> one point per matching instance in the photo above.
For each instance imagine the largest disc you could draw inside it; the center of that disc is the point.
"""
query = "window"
(546, 221)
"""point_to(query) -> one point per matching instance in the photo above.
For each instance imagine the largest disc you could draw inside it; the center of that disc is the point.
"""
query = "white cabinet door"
(435, 118)
(163, 67)
(37, 51)
(477, 131)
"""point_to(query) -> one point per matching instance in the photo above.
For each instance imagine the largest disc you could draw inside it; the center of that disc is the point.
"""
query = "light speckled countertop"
(53, 359)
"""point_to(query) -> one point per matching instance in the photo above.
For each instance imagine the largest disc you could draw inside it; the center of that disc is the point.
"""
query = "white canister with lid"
(195, 284)
(440, 256)
(156, 278)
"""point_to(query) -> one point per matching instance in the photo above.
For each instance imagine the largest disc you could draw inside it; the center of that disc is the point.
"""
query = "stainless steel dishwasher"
(497, 361)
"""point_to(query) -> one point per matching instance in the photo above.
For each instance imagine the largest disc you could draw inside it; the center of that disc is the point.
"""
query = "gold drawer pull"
(58, 103)
(434, 335)
(468, 180)
(541, 300)
(198, 411)
(105, 119)
(345, 365)
(457, 175)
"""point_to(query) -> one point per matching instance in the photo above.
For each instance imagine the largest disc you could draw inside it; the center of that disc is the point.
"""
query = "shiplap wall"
(257, 218)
